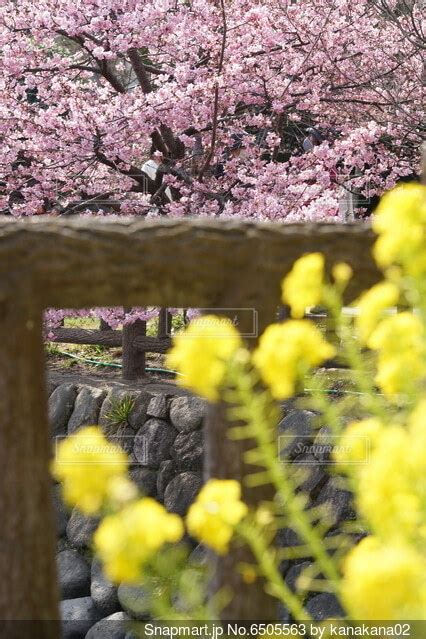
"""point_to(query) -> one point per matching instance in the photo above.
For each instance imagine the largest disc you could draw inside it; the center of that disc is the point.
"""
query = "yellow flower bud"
(286, 352)
(126, 540)
(342, 273)
(400, 343)
(357, 442)
(202, 352)
(371, 306)
(384, 582)
(304, 284)
(400, 222)
(217, 510)
(88, 464)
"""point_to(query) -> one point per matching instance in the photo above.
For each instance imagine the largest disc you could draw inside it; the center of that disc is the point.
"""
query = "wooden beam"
(87, 336)
(28, 589)
(152, 344)
(87, 262)
(110, 338)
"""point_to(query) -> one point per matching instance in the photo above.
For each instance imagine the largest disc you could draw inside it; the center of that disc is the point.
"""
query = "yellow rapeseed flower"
(384, 582)
(400, 343)
(400, 222)
(391, 486)
(371, 305)
(303, 285)
(342, 273)
(286, 352)
(201, 354)
(217, 510)
(126, 540)
(357, 442)
(88, 465)
(417, 429)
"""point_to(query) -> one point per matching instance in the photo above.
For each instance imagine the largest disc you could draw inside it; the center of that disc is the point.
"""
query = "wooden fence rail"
(133, 340)
(83, 263)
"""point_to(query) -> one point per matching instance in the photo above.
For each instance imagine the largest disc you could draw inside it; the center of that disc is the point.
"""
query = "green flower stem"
(330, 414)
(266, 561)
(256, 410)
(362, 377)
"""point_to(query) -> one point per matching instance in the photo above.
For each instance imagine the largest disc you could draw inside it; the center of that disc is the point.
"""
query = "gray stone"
(287, 406)
(283, 613)
(61, 514)
(60, 407)
(103, 592)
(153, 442)
(80, 529)
(132, 459)
(323, 444)
(78, 616)
(199, 557)
(86, 408)
(137, 416)
(187, 450)
(62, 544)
(307, 473)
(284, 565)
(187, 413)
(296, 433)
(112, 627)
(145, 479)
(73, 574)
(158, 407)
(336, 501)
(181, 492)
(51, 385)
(287, 538)
(324, 606)
(294, 573)
(134, 600)
(166, 472)
(124, 437)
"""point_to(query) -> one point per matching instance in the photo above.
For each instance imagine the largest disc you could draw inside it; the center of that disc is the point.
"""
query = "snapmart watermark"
(90, 452)
(268, 629)
(311, 451)
(224, 629)
(218, 320)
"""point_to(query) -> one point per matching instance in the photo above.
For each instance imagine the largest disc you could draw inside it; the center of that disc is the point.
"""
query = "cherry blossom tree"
(219, 93)
(89, 86)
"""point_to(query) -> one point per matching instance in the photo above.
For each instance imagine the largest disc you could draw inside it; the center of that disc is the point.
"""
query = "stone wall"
(163, 435)
(163, 438)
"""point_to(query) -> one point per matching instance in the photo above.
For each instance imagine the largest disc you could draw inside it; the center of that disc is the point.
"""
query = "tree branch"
(140, 71)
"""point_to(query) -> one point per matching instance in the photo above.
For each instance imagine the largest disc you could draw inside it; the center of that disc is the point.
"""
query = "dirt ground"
(62, 369)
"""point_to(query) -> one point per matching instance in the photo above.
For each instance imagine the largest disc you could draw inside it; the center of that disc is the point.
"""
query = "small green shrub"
(119, 410)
